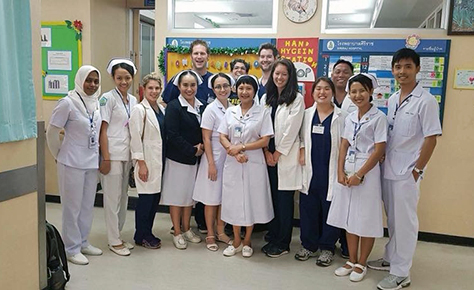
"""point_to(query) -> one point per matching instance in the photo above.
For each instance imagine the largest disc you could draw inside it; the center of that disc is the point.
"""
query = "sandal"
(211, 246)
(223, 238)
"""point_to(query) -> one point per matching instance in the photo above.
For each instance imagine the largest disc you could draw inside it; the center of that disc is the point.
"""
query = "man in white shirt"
(341, 72)
(414, 124)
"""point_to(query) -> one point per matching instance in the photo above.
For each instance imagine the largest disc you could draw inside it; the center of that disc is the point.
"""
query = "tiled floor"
(436, 266)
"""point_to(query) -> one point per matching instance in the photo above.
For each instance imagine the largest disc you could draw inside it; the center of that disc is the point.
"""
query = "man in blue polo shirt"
(199, 56)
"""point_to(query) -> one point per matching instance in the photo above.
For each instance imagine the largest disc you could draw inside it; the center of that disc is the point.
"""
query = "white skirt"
(178, 183)
(205, 190)
(358, 209)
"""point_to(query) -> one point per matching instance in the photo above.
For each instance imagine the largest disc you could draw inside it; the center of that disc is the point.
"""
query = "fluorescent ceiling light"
(350, 6)
(197, 25)
(203, 7)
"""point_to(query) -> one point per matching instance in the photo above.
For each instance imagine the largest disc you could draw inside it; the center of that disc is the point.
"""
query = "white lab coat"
(287, 124)
(337, 128)
(150, 149)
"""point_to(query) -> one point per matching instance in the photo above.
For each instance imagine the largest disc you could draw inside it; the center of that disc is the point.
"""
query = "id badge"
(237, 132)
(318, 129)
(351, 154)
(92, 140)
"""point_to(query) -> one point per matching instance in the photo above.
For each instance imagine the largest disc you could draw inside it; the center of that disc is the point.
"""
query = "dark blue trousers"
(281, 227)
(199, 214)
(315, 233)
(145, 215)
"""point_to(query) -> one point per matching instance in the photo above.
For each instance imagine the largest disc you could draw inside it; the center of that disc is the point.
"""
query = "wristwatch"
(419, 171)
(243, 147)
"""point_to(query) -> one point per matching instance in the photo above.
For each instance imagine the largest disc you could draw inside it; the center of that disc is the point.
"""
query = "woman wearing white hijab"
(77, 160)
(115, 108)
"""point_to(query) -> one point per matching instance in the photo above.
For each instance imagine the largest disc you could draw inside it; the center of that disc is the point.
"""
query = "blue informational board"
(221, 42)
(375, 56)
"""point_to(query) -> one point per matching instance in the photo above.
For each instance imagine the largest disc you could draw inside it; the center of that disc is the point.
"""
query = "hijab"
(92, 101)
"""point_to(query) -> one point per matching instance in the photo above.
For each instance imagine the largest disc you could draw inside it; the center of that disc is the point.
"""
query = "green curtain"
(17, 97)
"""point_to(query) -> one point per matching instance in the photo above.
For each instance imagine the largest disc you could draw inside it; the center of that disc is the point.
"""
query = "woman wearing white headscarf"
(115, 164)
(77, 160)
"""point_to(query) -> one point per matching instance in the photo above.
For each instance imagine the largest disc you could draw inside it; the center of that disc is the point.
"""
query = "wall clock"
(299, 11)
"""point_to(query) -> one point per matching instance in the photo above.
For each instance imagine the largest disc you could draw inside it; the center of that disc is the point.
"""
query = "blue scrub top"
(320, 154)
(204, 94)
(261, 90)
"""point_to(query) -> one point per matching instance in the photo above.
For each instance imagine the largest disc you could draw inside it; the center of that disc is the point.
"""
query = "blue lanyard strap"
(357, 127)
(89, 116)
(123, 102)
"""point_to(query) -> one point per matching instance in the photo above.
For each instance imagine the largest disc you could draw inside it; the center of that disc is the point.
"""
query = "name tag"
(92, 140)
(238, 132)
(351, 154)
(318, 129)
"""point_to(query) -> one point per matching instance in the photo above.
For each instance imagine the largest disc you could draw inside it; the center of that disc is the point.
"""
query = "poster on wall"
(303, 52)
(374, 56)
(176, 57)
(61, 56)
(464, 79)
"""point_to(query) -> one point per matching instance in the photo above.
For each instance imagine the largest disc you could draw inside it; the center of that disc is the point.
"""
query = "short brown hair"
(199, 42)
(268, 45)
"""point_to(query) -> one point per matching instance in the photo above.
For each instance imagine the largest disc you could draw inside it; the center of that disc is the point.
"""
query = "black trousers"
(280, 228)
(145, 215)
(199, 215)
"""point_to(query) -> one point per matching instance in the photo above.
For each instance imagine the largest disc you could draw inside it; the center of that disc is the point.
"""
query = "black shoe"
(268, 238)
(202, 229)
(276, 252)
(267, 247)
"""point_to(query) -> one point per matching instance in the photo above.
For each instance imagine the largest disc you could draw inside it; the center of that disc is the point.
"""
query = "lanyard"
(397, 106)
(123, 102)
(89, 116)
(357, 127)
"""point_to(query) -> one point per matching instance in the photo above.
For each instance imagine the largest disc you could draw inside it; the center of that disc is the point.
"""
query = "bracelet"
(358, 177)
(243, 147)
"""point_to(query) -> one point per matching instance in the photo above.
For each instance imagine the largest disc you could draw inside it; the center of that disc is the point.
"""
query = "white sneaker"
(91, 251)
(231, 250)
(343, 271)
(78, 259)
(190, 236)
(179, 242)
(128, 245)
(247, 252)
(121, 252)
(356, 277)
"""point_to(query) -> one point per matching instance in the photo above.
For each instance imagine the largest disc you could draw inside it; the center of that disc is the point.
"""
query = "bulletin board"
(375, 56)
(303, 52)
(175, 55)
(61, 57)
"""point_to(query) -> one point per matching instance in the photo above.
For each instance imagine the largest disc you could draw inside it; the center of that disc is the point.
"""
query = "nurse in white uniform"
(413, 117)
(115, 107)
(208, 186)
(357, 201)
(246, 196)
(77, 160)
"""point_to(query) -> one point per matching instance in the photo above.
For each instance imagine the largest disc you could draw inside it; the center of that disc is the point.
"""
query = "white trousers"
(115, 188)
(77, 188)
(400, 199)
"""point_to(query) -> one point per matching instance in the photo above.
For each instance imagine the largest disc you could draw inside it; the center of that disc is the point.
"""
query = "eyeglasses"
(219, 87)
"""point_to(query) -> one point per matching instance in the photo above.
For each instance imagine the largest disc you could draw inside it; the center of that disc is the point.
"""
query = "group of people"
(241, 147)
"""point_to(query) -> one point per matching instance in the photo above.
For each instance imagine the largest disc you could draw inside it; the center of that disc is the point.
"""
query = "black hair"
(406, 53)
(185, 73)
(199, 42)
(366, 82)
(248, 80)
(344, 62)
(236, 60)
(220, 75)
(268, 45)
(288, 95)
(125, 66)
(324, 79)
